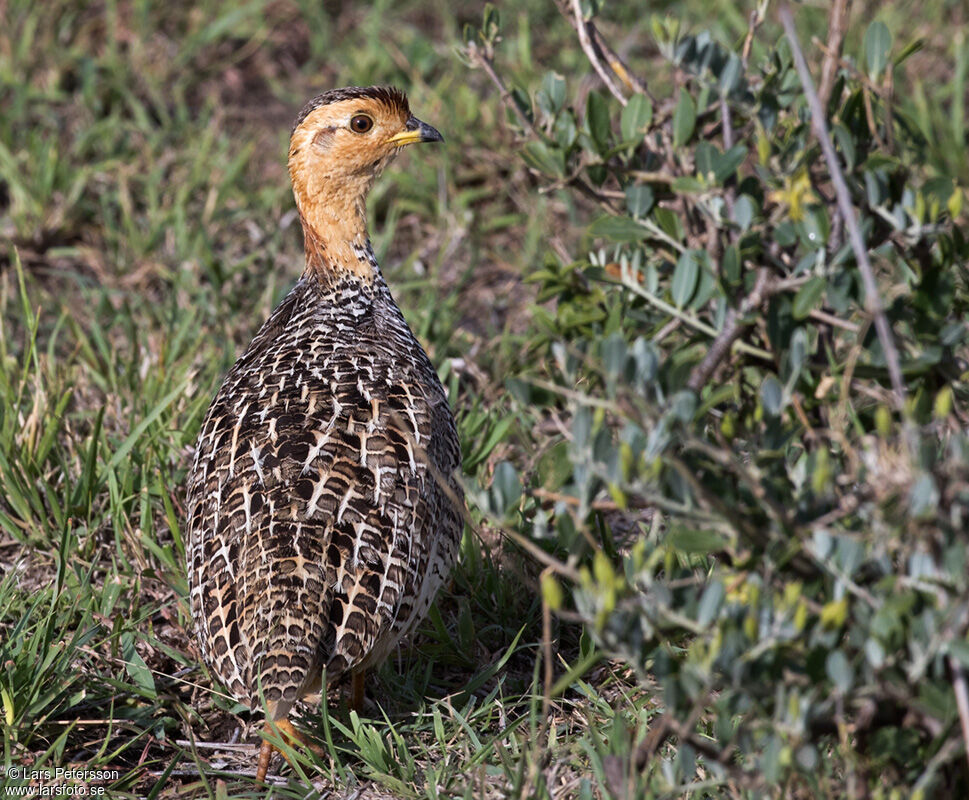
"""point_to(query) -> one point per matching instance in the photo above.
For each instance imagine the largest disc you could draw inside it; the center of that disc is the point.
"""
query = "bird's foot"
(290, 735)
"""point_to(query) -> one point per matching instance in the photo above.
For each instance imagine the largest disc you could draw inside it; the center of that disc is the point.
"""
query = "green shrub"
(746, 507)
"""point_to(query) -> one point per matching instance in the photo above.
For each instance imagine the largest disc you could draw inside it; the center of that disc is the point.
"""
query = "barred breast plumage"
(323, 504)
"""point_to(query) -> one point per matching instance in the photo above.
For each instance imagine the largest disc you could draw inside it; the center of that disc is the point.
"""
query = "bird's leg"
(265, 754)
(290, 735)
(357, 690)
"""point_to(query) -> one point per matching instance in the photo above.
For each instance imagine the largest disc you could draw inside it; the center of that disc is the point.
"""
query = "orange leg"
(265, 753)
(290, 734)
(357, 690)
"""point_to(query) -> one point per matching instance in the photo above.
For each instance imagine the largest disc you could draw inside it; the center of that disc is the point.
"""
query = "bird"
(324, 507)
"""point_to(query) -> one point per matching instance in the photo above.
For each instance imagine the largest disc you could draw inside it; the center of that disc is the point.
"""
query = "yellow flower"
(796, 194)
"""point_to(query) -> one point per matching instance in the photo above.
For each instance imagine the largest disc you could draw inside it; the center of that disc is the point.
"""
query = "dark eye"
(361, 123)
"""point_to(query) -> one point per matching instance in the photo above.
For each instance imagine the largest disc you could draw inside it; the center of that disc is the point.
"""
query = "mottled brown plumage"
(323, 505)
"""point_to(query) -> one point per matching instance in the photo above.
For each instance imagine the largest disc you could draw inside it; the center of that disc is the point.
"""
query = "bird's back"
(323, 503)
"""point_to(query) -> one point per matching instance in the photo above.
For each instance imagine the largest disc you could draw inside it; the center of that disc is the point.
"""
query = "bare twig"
(943, 756)
(541, 556)
(837, 25)
(618, 65)
(733, 326)
(652, 177)
(962, 700)
(754, 21)
(831, 319)
(851, 69)
(726, 121)
(873, 301)
(238, 747)
(593, 53)
(482, 60)
(605, 51)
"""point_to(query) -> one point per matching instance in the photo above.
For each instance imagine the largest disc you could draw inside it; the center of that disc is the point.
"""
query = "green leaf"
(597, 115)
(135, 665)
(693, 540)
(705, 157)
(808, 297)
(506, 489)
(612, 351)
(685, 278)
(564, 130)
(724, 166)
(554, 467)
(539, 156)
(687, 185)
(639, 199)
(878, 43)
(772, 396)
(710, 603)
(618, 229)
(814, 228)
(844, 140)
(683, 405)
(553, 85)
(494, 436)
(923, 498)
(684, 119)
(744, 211)
(799, 348)
(839, 670)
(636, 117)
(910, 49)
(669, 222)
(959, 648)
(707, 285)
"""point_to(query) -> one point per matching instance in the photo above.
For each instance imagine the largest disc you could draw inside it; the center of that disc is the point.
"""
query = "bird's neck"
(335, 234)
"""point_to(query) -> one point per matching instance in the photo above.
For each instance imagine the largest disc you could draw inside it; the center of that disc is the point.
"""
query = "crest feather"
(390, 96)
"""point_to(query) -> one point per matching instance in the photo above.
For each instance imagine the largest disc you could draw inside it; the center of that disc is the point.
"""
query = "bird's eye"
(361, 123)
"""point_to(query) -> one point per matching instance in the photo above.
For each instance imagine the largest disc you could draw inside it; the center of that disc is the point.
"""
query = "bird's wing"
(379, 503)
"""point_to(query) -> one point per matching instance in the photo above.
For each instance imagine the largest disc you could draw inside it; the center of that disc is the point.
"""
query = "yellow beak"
(415, 131)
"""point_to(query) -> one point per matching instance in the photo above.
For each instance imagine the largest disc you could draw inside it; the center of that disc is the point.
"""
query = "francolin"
(324, 510)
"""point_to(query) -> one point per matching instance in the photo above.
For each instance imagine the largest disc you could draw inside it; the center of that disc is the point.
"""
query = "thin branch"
(604, 51)
(593, 53)
(475, 54)
(692, 321)
(945, 753)
(540, 555)
(831, 319)
(633, 83)
(850, 68)
(837, 26)
(652, 177)
(733, 326)
(726, 122)
(754, 21)
(873, 301)
(235, 747)
(962, 700)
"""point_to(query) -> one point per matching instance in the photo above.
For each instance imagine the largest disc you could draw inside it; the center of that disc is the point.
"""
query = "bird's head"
(341, 141)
